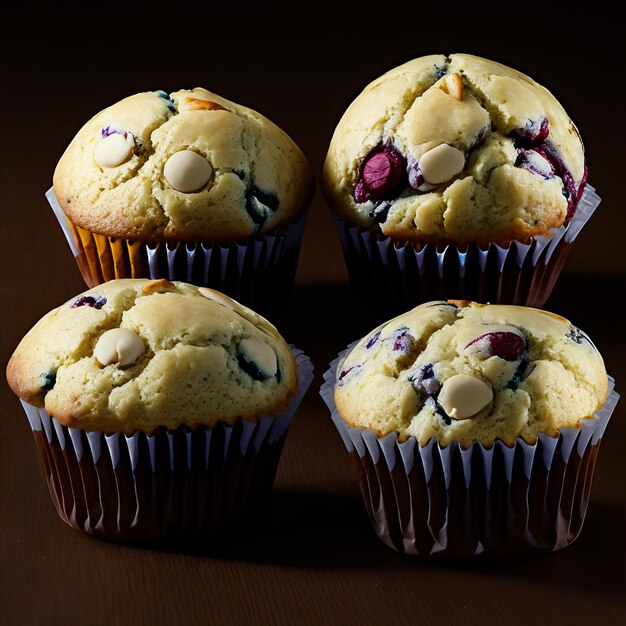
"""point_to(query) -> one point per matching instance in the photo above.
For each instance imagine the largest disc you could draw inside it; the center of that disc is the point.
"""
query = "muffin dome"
(186, 167)
(138, 354)
(463, 371)
(458, 149)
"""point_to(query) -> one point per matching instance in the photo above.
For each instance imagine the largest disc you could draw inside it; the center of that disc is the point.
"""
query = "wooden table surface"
(316, 561)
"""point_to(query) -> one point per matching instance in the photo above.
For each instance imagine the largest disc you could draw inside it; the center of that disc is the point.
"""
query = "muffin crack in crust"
(471, 372)
(189, 167)
(455, 149)
(123, 356)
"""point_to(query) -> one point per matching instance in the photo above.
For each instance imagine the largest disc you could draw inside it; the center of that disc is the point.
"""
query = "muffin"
(187, 186)
(159, 409)
(458, 177)
(473, 429)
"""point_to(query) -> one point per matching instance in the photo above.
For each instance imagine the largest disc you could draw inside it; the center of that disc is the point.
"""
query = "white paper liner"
(123, 455)
(363, 246)
(432, 457)
(60, 215)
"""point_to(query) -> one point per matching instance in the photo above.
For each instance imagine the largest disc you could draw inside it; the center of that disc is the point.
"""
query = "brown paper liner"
(390, 276)
(452, 502)
(538, 514)
(171, 485)
(170, 500)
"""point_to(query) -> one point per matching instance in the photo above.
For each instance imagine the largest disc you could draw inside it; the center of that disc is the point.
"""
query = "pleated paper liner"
(258, 272)
(438, 501)
(171, 485)
(390, 277)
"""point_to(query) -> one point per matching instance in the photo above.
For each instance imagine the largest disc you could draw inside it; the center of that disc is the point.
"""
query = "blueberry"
(373, 340)
(441, 72)
(95, 302)
(170, 103)
(49, 381)
(521, 373)
(425, 382)
(445, 418)
(448, 304)
(380, 212)
(251, 368)
(577, 335)
(260, 205)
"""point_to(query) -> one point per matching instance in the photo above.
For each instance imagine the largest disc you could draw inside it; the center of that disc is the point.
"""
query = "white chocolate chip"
(218, 297)
(120, 346)
(261, 354)
(441, 163)
(187, 171)
(114, 150)
(463, 396)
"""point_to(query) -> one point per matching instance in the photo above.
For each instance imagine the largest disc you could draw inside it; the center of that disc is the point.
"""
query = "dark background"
(317, 561)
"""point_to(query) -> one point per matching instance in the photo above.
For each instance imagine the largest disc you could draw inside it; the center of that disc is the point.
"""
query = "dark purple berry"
(381, 175)
(108, 130)
(548, 151)
(541, 131)
(425, 382)
(506, 345)
(95, 302)
(360, 192)
(402, 340)
(581, 187)
(414, 175)
(535, 161)
(534, 132)
(344, 373)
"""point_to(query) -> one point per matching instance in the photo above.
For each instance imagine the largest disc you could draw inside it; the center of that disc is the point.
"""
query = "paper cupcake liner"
(391, 276)
(452, 502)
(177, 484)
(258, 272)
